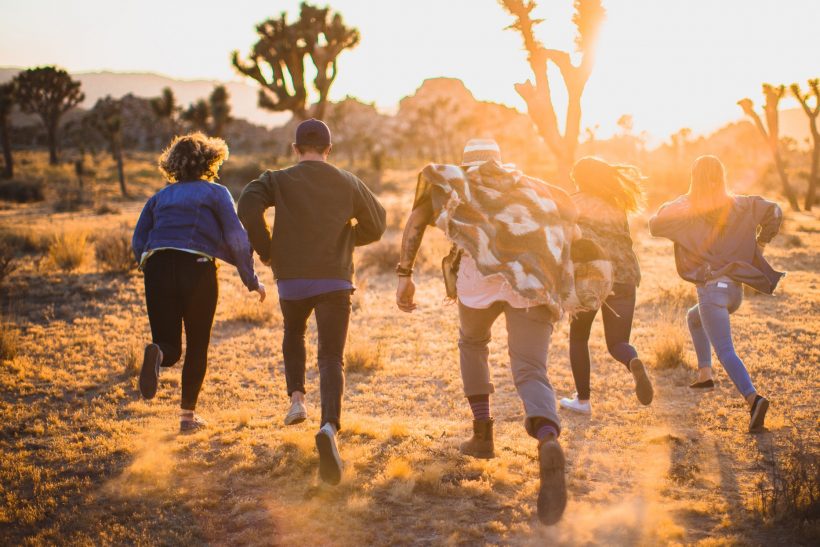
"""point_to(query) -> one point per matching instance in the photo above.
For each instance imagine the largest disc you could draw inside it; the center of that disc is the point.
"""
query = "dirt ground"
(83, 460)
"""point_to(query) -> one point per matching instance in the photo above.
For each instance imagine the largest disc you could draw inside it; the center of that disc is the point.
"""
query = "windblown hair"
(708, 195)
(195, 156)
(619, 185)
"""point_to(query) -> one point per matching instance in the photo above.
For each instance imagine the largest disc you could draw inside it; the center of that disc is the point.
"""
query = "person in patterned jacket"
(513, 236)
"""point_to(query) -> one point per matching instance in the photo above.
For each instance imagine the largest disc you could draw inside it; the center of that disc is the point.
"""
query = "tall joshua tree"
(812, 113)
(106, 119)
(770, 133)
(6, 103)
(588, 16)
(49, 92)
(165, 108)
(198, 115)
(282, 48)
(220, 107)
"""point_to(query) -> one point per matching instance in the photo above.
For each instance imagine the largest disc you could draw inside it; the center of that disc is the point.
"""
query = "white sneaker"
(575, 405)
(330, 463)
(297, 413)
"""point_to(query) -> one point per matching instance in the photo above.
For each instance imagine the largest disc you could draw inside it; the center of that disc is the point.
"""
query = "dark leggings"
(332, 319)
(181, 287)
(617, 312)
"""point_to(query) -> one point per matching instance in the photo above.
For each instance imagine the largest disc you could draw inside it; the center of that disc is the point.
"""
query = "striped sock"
(480, 405)
(546, 430)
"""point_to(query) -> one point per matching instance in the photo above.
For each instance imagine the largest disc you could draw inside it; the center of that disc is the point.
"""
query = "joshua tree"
(165, 108)
(49, 92)
(197, 115)
(106, 119)
(588, 16)
(6, 104)
(773, 95)
(220, 107)
(283, 46)
(812, 113)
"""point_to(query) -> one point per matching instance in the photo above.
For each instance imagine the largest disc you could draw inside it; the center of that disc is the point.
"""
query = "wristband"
(404, 272)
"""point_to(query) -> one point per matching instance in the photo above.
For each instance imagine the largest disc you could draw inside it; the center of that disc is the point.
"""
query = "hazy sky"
(669, 63)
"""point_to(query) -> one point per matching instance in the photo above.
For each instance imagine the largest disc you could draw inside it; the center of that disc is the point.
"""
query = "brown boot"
(481, 444)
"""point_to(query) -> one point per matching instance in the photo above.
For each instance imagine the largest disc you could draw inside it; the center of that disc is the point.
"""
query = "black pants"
(182, 288)
(617, 313)
(332, 319)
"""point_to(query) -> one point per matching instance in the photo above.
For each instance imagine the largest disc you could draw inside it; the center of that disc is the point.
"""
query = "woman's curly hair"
(195, 156)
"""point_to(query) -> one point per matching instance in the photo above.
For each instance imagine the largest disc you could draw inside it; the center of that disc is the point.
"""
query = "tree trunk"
(787, 189)
(117, 149)
(51, 135)
(8, 171)
(815, 173)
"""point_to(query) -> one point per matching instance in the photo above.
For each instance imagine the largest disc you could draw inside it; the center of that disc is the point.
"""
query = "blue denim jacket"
(199, 216)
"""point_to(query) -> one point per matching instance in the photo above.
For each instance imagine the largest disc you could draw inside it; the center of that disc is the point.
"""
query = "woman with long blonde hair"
(719, 238)
(607, 194)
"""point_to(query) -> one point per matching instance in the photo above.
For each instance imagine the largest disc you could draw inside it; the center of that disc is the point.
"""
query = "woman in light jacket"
(182, 230)
(606, 195)
(718, 248)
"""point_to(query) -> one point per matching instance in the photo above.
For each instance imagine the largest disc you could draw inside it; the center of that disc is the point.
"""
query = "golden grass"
(669, 348)
(9, 339)
(68, 250)
(113, 251)
(363, 357)
(84, 461)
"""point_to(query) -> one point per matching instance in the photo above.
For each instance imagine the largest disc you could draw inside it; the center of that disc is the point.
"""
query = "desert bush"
(675, 297)
(254, 313)
(131, 360)
(24, 241)
(236, 175)
(107, 209)
(669, 348)
(361, 357)
(22, 191)
(790, 490)
(8, 260)
(113, 252)
(9, 339)
(67, 250)
(791, 241)
(69, 198)
(380, 257)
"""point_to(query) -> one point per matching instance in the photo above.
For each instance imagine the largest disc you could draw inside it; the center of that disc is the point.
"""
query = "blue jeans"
(710, 328)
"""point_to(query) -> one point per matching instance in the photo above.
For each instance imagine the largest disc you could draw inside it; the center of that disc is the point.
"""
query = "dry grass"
(669, 349)
(68, 250)
(113, 251)
(363, 357)
(84, 461)
(9, 339)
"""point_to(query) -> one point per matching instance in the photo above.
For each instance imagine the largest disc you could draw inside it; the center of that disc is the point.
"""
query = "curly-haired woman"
(182, 230)
(607, 194)
(719, 239)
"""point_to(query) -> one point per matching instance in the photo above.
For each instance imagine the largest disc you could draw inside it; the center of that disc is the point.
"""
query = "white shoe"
(575, 405)
(297, 413)
(330, 463)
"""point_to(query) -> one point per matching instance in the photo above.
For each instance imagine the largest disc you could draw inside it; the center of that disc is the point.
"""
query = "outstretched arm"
(411, 239)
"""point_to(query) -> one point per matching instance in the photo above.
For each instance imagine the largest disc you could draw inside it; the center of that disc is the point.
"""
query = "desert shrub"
(361, 357)
(69, 198)
(669, 348)
(380, 257)
(236, 175)
(113, 252)
(22, 191)
(9, 340)
(675, 297)
(791, 241)
(254, 312)
(67, 250)
(24, 241)
(8, 259)
(107, 209)
(131, 361)
(790, 489)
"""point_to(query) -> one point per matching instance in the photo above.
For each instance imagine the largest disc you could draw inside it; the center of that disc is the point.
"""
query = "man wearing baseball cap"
(310, 249)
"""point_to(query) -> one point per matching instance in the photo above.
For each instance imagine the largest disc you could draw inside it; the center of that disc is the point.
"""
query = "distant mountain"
(98, 84)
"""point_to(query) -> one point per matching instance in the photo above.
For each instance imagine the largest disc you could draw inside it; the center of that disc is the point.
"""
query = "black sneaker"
(552, 494)
(706, 385)
(330, 463)
(149, 374)
(758, 413)
(643, 386)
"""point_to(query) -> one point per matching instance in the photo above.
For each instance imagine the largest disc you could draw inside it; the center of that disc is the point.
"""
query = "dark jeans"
(182, 288)
(617, 313)
(332, 319)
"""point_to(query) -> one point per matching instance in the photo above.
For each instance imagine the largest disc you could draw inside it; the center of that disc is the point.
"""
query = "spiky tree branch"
(277, 60)
(770, 133)
(812, 113)
(589, 14)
